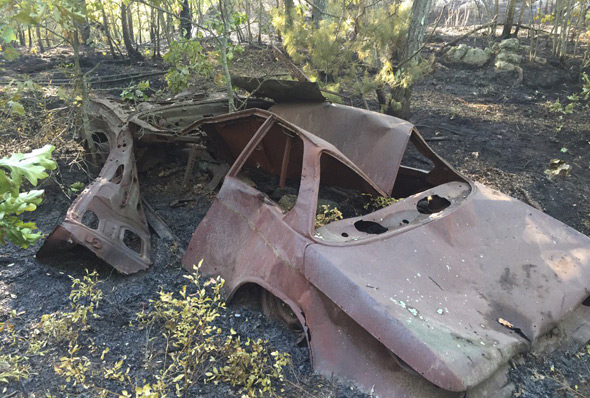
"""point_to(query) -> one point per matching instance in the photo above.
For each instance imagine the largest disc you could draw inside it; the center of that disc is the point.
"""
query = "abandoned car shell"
(428, 295)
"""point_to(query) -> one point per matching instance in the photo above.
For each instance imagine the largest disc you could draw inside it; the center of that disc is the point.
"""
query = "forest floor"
(493, 129)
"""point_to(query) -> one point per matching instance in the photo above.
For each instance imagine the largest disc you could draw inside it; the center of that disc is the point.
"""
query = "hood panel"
(434, 294)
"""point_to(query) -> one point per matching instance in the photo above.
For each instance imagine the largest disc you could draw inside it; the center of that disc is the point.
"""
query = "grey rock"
(510, 44)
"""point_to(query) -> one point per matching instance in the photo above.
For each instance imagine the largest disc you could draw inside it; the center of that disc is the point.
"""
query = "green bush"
(14, 170)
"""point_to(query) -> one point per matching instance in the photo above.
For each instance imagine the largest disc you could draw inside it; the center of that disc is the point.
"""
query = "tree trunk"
(47, 38)
(223, 6)
(39, 39)
(165, 21)
(496, 16)
(129, 13)
(399, 105)
(107, 31)
(260, 13)
(248, 21)
(139, 26)
(185, 20)
(83, 87)
(289, 5)
(84, 27)
(158, 24)
(509, 19)
(520, 15)
(30, 38)
(131, 51)
(21, 37)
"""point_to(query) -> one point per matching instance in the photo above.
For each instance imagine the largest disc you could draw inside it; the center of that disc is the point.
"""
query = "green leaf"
(31, 166)
(77, 186)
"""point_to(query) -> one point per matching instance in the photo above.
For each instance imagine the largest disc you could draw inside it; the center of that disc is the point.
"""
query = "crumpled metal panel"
(107, 217)
(373, 141)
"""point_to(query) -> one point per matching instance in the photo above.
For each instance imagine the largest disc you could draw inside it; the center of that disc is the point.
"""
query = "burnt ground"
(493, 130)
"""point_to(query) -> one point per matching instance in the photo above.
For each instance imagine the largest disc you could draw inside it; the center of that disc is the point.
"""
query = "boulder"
(468, 55)
(455, 54)
(476, 57)
(503, 66)
(510, 45)
(510, 57)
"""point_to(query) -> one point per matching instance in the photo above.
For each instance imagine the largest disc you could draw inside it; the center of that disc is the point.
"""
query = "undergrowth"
(188, 350)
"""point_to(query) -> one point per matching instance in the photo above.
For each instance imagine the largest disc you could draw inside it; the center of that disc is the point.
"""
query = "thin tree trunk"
(223, 55)
(166, 28)
(260, 12)
(185, 20)
(30, 38)
(84, 27)
(509, 19)
(564, 28)
(400, 96)
(39, 39)
(496, 15)
(248, 24)
(158, 20)
(107, 31)
(131, 51)
(289, 5)
(139, 25)
(21, 37)
(47, 38)
(83, 86)
(130, 23)
(522, 7)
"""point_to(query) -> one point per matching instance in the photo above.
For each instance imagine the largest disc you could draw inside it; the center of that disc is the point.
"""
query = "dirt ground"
(493, 130)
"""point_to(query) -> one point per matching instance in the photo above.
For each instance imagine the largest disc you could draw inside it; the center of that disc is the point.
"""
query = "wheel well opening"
(255, 297)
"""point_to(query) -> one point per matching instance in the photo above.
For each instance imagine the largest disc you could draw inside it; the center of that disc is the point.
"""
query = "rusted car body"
(427, 295)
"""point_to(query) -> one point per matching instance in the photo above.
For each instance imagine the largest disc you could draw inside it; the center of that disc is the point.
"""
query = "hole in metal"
(90, 219)
(132, 241)
(432, 204)
(370, 227)
(118, 174)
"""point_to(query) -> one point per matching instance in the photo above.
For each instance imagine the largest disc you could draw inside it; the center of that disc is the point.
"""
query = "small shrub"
(13, 367)
(187, 62)
(327, 215)
(378, 202)
(136, 92)
(60, 326)
(200, 353)
(250, 366)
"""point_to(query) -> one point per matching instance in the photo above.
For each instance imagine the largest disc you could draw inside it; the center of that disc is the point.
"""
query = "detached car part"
(107, 217)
